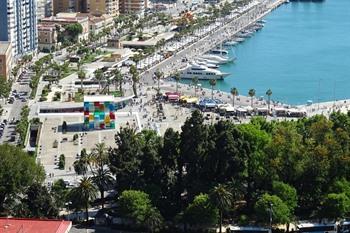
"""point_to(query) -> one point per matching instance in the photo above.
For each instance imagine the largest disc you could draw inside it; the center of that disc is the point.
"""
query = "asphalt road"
(14, 109)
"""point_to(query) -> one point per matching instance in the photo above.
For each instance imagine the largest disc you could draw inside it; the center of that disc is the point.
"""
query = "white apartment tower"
(18, 22)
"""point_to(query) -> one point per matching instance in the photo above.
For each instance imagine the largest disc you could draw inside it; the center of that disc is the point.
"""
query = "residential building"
(133, 6)
(18, 23)
(60, 6)
(34, 225)
(44, 9)
(47, 37)
(5, 59)
(98, 23)
(63, 19)
(99, 7)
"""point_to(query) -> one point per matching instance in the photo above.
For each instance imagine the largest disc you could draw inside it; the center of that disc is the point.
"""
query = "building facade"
(59, 6)
(133, 6)
(44, 9)
(18, 24)
(63, 19)
(47, 37)
(99, 7)
(5, 59)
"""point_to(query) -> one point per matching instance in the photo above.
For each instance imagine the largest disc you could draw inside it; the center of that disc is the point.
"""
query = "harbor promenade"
(221, 32)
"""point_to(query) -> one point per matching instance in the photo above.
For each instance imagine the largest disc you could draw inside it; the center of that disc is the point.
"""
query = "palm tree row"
(251, 93)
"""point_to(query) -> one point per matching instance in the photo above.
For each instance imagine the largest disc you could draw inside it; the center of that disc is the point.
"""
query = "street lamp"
(271, 205)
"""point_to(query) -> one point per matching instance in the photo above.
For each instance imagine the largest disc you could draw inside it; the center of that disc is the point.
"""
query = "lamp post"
(271, 205)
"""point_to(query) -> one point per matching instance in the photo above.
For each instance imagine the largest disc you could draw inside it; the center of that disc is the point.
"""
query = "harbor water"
(302, 53)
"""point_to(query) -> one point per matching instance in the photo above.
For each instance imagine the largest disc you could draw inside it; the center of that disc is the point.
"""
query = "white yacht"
(216, 58)
(219, 51)
(209, 65)
(230, 43)
(202, 72)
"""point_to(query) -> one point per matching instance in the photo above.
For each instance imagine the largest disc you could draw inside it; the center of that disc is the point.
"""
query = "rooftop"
(98, 98)
(4, 46)
(15, 225)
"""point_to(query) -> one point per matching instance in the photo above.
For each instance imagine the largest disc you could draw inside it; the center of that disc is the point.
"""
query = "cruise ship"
(202, 72)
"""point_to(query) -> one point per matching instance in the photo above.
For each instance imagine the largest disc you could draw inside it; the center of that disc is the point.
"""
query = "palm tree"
(158, 75)
(234, 93)
(98, 76)
(195, 84)
(251, 93)
(177, 79)
(268, 93)
(102, 177)
(118, 79)
(135, 78)
(212, 83)
(84, 193)
(221, 197)
(81, 76)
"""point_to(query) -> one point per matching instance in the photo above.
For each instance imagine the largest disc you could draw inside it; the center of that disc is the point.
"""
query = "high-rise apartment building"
(60, 6)
(99, 7)
(133, 6)
(44, 8)
(18, 25)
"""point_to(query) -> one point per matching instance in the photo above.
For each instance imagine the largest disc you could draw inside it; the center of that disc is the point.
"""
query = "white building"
(18, 25)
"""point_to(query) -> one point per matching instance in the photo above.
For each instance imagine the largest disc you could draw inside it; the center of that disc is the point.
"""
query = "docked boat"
(209, 65)
(216, 58)
(219, 51)
(230, 43)
(202, 72)
(240, 39)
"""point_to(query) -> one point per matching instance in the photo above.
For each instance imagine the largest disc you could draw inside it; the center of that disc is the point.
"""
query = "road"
(14, 110)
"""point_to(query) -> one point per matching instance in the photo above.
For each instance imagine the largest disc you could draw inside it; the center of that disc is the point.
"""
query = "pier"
(218, 35)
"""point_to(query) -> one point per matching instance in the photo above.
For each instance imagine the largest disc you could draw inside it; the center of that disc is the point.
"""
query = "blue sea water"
(302, 53)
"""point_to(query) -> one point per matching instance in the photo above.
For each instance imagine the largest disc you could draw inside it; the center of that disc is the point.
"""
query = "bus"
(317, 228)
(247, 229)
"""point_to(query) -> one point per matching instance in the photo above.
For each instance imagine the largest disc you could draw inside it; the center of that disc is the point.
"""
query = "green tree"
(234, 93)
(81, 76)
(135, 78)
(61, 162)
(99, 77)
(81, 165)
(212, 83)
(102, 178)
(177, 77)
(73, 30)
(266, 204)
(137, 206)
(159, 75)
(201, 212)
(222, 199)
(286, 193)
(18, 171)
(125, 159)
(195, 84)
(118, 79)
(59, 192)
(82, 195)
(269, 93)
(5, 87)
(39, 202)
(335, 206)
(251, 93)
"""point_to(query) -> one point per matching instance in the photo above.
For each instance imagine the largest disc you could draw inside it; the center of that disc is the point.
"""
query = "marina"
(299, 68)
